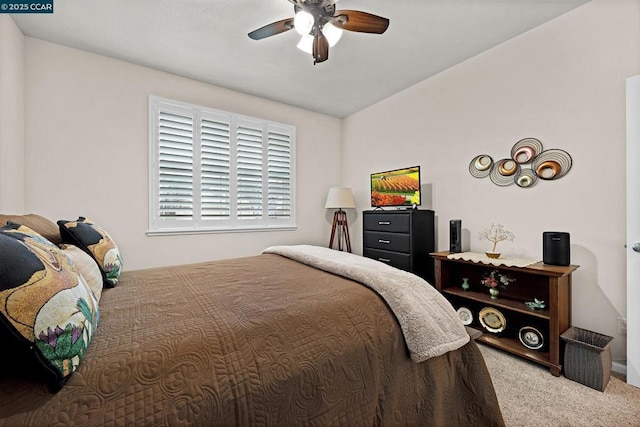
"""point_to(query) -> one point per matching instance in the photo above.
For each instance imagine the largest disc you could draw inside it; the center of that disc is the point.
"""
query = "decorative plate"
(531, 338)
(465, 315)
(492, 320)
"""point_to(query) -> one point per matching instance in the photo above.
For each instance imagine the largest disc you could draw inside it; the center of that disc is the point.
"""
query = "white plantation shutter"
(215, 156)
(217, 171)
(175, 195)
(249, 160)
(279, 174)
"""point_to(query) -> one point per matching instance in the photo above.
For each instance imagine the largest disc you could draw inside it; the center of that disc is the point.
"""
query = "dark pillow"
(91, 238)
(41, 225)
(48, 314)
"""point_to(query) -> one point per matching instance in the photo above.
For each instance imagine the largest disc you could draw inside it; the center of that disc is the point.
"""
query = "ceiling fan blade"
(362, 22)
(272, 29)
(320, 48)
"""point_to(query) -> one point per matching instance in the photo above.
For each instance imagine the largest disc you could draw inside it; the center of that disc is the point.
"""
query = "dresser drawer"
(394, 259)
(392, 222)
(396, 242)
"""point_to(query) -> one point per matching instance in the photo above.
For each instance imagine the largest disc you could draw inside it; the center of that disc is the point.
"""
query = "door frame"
(633, 230)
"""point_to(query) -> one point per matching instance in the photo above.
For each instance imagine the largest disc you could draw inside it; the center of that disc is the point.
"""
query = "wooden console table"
(551, 284)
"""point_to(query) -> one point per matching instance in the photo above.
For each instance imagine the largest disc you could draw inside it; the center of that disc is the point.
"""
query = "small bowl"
(493, 255)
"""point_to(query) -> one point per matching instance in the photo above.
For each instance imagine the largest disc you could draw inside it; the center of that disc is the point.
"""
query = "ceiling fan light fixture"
(321, 26)
(332, 33)
(306, 44)
(303, 22)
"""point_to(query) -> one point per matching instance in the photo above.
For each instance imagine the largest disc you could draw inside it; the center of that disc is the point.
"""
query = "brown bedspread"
(253, 341)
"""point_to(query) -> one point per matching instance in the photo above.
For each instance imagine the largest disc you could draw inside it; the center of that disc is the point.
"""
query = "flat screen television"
(399, 187)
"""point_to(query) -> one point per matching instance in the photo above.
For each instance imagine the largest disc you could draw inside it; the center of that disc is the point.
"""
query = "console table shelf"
(513, 346)
(551, 284)
(500, 302)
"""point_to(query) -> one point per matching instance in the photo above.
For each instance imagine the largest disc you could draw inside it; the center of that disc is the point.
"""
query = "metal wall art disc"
(525, 150)
(480, 166)
(525, 178)
(552, 164)
(504, 171)
(540, 164)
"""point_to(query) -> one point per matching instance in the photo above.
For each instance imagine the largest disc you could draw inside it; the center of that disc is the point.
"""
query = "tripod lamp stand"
(339, 198)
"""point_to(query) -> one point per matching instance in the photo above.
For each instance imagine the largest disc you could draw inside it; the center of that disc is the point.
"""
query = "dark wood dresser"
(402, 238)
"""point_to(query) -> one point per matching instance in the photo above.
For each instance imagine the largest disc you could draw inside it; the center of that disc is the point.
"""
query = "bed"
(262, 340)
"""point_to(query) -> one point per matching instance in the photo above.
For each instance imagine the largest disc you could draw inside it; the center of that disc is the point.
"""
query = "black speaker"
(556, 248)
(455, 236)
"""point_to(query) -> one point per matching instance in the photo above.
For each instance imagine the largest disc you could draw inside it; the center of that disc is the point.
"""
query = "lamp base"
(340, 225)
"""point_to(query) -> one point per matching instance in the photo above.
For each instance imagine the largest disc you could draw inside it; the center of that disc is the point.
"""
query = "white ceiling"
(207, 40)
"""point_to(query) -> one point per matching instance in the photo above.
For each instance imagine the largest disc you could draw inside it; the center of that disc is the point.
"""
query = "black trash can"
(587, 357)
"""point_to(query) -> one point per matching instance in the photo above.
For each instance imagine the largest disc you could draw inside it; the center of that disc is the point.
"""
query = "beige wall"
(11, 117)
(86, 153)
(563, 83)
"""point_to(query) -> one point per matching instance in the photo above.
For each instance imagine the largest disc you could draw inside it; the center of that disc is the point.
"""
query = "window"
(216, 171)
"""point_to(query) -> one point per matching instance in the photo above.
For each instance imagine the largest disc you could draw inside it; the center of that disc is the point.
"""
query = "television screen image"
(399, 187)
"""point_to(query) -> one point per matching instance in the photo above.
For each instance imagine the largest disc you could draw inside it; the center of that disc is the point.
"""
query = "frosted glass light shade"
(303, 22)
(340, 197)
(332, 33)
(306, 43)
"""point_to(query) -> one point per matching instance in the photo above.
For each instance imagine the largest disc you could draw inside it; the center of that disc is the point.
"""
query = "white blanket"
(429, 324)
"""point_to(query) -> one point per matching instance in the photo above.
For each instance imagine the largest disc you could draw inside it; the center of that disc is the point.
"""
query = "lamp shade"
(340, 197)
(306, 44)
(332, 33)
(303, 22)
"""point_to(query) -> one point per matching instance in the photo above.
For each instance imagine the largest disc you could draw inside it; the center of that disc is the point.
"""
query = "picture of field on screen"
(399, 187)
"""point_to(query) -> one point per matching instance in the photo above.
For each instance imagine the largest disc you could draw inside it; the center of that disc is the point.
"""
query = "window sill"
(177, 231)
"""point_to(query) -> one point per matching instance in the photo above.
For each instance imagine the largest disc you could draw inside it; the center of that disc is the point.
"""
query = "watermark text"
(26, 6)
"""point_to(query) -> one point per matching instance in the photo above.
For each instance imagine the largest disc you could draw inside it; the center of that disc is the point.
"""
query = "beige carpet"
(530, 396)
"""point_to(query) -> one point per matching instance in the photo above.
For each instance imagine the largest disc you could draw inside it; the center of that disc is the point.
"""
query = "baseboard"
(619, 367)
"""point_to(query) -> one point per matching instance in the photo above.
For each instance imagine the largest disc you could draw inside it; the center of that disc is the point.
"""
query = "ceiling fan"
(321, 25)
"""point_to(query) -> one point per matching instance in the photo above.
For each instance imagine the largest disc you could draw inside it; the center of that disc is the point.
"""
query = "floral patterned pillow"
(95, 241)
(86, 267)
(48, 314)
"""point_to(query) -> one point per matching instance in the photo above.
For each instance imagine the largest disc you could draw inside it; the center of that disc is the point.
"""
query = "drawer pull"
(384, 259)
(384, 222)
(386, 242)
